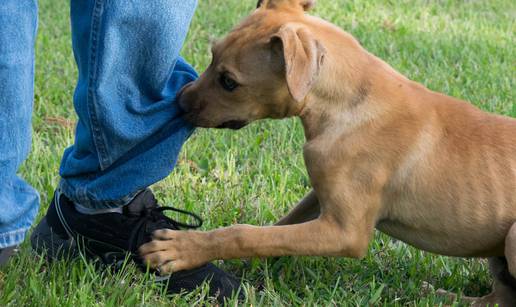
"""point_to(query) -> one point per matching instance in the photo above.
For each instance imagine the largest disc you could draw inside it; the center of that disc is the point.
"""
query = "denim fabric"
(18, 201)
(130, 131)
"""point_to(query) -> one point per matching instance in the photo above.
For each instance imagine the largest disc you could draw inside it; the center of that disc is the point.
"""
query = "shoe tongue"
(144, 200)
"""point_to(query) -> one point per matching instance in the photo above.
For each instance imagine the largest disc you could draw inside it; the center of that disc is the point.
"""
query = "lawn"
(462, 48)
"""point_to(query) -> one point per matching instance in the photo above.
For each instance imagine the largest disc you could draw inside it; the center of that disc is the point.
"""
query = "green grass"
(463, 48)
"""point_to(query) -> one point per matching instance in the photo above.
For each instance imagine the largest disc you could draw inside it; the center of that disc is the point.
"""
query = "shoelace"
(157, 215)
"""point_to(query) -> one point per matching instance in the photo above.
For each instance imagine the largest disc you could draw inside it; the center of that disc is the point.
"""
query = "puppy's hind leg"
(503, 270)
(510, 252)
(504, 285)
(505, 276)
(503, 294)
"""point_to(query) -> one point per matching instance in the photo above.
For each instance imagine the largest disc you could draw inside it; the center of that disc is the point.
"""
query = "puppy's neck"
(343, 102)
(354, 86)
(321, 118)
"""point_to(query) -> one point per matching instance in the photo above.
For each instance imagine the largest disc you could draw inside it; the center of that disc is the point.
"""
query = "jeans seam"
(98, 137)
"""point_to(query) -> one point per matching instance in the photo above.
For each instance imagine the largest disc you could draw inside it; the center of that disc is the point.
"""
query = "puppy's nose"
(185, 99)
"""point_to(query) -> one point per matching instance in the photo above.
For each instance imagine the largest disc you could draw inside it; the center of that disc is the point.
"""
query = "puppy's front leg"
(181, 250)
(308, 209)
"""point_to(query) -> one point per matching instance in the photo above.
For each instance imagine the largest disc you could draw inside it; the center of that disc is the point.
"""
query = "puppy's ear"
(270, 4)
(303, 57)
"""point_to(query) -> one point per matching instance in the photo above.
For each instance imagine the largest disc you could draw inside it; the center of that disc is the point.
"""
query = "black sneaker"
(111, 237)
(6, 254)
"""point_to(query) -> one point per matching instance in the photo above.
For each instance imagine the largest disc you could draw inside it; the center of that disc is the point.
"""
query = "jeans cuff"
(84, 198)
(12, 238)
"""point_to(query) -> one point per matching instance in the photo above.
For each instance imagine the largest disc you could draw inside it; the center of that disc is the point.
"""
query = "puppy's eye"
(227, 83)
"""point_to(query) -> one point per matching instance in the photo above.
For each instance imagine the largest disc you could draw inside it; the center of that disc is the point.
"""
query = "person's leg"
(129, 132)
(19, 202)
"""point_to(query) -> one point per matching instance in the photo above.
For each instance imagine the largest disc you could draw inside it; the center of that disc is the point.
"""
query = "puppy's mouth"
(233, 125)
(197, 121)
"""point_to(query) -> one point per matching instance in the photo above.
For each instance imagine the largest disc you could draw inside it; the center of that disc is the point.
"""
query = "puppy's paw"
(172, 251)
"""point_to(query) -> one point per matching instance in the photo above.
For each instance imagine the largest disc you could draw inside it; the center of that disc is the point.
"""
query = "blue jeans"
(129, 131)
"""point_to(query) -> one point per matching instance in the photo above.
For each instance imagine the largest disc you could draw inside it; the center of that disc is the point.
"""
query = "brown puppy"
(382, 151)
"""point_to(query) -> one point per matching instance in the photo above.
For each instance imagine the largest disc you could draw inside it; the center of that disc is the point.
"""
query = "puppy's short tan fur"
(382, 152)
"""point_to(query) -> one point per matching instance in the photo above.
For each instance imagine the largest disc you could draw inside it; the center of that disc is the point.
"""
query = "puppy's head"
(264, 68)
